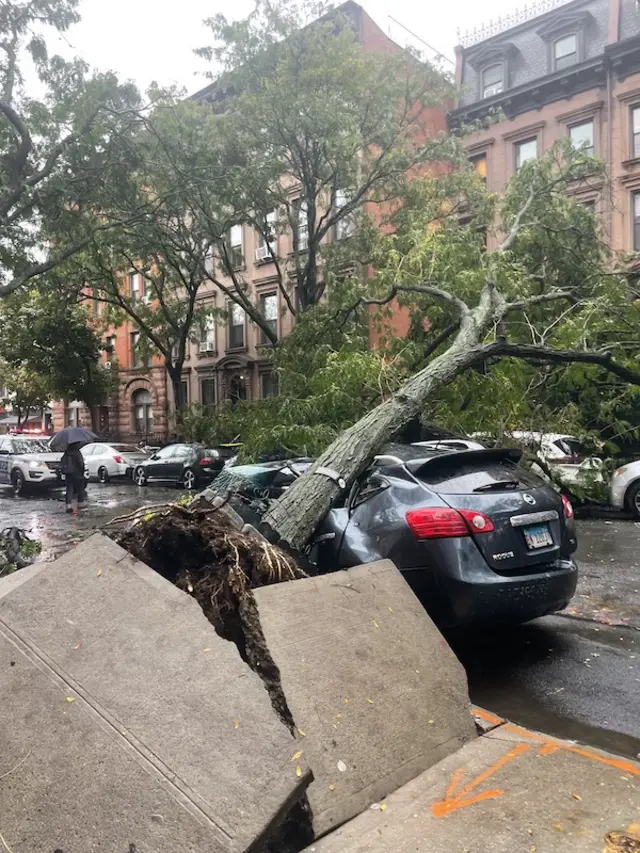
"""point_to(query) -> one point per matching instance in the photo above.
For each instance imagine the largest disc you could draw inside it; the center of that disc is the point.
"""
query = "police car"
(26, 462)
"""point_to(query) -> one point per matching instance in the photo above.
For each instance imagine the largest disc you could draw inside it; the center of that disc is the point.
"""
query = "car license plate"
(537, 536)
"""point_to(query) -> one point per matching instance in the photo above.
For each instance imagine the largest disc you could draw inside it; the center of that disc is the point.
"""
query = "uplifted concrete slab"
(370, 681)
(509, 791)
(128, 720)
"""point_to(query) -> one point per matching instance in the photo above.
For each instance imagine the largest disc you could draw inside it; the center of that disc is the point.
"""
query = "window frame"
(263, 340)
(502, 83)
(135, 359)
(302, 225)
(271, 245)
(635, 221)
(136, 291)
(268, 376)
(147, 419)
(212, 380)
(477, 158)
(231, 307)
(576, 52)
(634, 136)
(345, 226)
(208, 334)
(517, 146)
(583, 123)
(235, 251)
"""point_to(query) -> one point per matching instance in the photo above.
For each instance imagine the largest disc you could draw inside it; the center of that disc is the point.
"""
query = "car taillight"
(206, 461)
(567, 506)
(619, 472)
(442, 523)
(119, 460)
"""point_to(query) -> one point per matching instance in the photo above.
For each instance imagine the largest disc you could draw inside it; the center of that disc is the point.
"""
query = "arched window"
(142, 411)
(493, 80)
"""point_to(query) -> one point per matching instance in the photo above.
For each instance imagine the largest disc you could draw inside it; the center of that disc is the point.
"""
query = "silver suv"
(28, 463)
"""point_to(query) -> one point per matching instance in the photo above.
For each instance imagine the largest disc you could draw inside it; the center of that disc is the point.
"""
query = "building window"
(301, 233)
(565, 52)
(234, 247)
(136, 286)
(525, 151)
(142, 411)
(98, 306)
(208, 393)
(636, 222)
(479, 165)
(635, 132)
(269, 311)
(345, 226)
(236, 326)
(267, 242)
(183, 399)
(582, 136)
(136, 356)
(208, 334)
(268, 385)
(493, 80)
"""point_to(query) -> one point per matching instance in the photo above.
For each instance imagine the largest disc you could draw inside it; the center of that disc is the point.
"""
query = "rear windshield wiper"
(497, 485)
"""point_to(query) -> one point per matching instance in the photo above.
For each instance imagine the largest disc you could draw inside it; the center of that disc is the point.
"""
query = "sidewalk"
(509, 791)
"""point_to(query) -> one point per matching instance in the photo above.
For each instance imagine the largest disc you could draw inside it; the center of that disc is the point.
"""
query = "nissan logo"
(529, 499)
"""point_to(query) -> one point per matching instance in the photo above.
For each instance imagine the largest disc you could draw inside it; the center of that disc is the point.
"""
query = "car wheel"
(140, 477)
(103, 475)
(632, 499)
(189, 479)
(18, 482)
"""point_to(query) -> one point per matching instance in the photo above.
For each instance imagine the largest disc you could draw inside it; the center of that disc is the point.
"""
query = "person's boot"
(69, 509)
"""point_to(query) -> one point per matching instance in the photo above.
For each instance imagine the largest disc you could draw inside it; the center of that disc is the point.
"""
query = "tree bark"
(296, 515)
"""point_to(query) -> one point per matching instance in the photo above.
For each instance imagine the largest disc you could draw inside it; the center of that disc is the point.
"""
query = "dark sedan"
(476, 536)
(187, 465)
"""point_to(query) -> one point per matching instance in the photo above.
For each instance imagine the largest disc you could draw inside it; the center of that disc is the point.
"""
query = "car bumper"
(617, 492)
(40, 477)
(489, 597)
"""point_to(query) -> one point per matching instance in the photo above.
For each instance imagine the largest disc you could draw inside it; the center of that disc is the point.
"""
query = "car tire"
(189, 479)
(632, 499)
(103, 475)
(18, 482)
(140, 476)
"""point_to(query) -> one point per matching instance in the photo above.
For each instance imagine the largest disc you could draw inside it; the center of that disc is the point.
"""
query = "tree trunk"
(297, 514)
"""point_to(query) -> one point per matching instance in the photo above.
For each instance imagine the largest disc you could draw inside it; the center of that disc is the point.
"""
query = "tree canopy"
(62, 144)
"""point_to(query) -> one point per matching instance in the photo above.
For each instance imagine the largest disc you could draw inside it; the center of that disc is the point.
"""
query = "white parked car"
(625, 488)
(564, 454)
(104, 462)
(450, 444)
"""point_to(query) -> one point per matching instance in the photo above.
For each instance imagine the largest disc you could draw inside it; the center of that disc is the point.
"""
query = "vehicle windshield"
(30, 445)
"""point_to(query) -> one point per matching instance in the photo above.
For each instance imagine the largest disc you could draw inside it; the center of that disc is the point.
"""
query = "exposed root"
(201, 551)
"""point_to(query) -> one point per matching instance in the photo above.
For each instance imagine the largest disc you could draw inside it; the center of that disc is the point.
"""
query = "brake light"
(567, 506)
(444, 523)
(619, 472)
(206, 461)
(119, 460)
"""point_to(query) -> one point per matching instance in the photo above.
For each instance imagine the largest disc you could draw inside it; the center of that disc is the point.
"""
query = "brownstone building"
(560, 68)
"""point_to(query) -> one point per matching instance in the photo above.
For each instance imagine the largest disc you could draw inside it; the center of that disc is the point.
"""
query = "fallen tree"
(549, 275)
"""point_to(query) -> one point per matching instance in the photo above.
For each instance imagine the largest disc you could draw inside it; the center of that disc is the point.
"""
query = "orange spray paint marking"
(453, 801)
(549, 746)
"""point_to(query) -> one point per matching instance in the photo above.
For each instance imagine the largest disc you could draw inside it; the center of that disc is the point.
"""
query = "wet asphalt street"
(575, 675)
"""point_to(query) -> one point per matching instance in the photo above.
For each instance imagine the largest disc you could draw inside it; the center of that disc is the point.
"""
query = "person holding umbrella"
(69, 441)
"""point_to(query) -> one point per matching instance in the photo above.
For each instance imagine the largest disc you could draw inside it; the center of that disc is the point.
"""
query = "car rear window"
(453, 476)
(126, 448)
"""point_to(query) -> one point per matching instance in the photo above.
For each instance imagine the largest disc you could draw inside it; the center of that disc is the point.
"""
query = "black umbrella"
(72, 435)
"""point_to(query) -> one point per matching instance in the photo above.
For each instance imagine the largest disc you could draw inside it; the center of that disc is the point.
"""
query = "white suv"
(27, 462)
(625, 488)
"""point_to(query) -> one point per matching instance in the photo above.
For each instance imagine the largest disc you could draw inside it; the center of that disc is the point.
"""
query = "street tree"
(50, 349)
(24, 390)
(323, 136)
(63, 134)
(547, 294)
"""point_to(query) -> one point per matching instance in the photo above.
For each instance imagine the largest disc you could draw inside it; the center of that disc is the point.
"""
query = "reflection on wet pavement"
(43, 514)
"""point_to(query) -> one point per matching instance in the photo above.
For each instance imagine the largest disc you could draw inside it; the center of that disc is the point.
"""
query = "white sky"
(147, 40)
